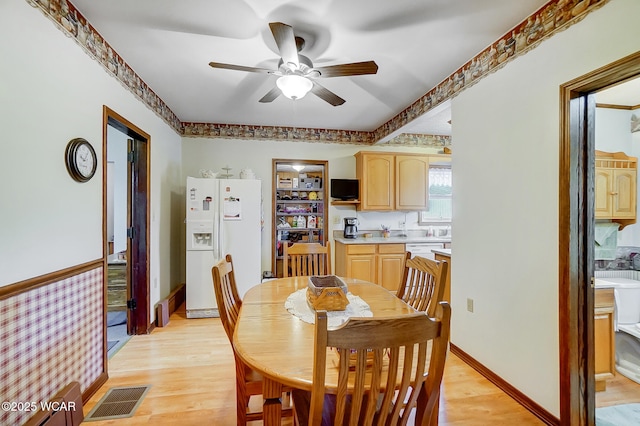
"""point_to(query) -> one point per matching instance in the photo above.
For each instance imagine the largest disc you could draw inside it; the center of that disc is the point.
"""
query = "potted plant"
(386, 233)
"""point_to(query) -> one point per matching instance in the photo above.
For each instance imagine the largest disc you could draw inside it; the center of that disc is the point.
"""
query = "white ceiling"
(416, 44)
(623, 94)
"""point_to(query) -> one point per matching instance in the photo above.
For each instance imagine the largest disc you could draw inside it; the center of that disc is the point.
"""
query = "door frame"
(576, 227)
(138, 279)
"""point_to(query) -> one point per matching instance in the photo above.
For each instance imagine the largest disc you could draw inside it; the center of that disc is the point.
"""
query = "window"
(440, 189)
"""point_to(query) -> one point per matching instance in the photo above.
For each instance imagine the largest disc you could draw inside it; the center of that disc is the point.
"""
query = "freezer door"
(201, 301)
(200, 202)
(200, 235)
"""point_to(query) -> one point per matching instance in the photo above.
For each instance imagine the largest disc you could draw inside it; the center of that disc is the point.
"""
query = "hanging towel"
(606, 240)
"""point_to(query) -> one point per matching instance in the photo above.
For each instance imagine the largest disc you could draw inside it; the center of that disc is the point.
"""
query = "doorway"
(125, 228)
(576, 224)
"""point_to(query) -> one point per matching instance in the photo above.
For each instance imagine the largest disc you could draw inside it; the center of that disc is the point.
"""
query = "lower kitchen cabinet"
(382, 264)
(604, 337)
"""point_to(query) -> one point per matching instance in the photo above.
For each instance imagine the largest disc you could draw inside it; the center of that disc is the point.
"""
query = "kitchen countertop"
(393, 240)
(443, 252)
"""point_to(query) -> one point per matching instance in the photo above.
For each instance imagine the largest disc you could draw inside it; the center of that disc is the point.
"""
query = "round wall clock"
(81, 159)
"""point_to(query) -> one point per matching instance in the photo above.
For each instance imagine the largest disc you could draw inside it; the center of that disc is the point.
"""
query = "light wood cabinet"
(390, 181)
(604, 337)
(382, 264)
(615, 187)
(359, 261)
(412, 182)
(447, 282)
(376, 174)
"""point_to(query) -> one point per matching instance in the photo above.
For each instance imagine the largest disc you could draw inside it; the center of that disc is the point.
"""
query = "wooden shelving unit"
(298, 195)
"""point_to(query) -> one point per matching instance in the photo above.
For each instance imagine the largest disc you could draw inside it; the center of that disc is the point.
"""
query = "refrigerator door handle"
(217, 245)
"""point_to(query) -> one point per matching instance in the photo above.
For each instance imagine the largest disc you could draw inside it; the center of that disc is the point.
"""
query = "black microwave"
(345, 189)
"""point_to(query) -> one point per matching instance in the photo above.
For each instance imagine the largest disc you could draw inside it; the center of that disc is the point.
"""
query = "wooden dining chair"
(248, 381)
(422, 284)
(382, 369)
(306, 259)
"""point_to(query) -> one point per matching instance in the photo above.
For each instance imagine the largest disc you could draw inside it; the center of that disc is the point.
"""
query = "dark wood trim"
(93, 388)
(177, 298)
(507, 388)
(112, 118)
(166, 307)
(152, 326)
(575, 264)
(32, 283)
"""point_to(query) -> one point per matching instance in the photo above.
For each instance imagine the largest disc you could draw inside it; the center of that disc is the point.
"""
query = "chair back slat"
(306, 259)
(422, 285)
(248, 382)
(226, 291)
(381, 370)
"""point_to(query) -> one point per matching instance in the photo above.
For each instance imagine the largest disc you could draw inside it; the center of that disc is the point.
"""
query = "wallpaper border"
(554, 16)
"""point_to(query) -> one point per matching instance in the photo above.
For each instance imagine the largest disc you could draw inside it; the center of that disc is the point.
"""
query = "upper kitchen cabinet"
(412, 182)
(376, 174)
(299, 208)
(394, 181)
(615, 187)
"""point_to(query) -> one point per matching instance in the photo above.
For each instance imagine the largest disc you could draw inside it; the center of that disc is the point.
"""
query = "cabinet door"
(603, 336)
(603, 187)
(624, 193)
(362, 266)
(390, 269)
(377, 185)
(412, 187)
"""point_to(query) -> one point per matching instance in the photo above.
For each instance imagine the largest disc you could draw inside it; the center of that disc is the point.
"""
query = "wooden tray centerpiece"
(327, 292)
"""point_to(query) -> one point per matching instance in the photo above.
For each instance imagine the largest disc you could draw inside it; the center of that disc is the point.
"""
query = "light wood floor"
(189, 365)
(620, 390)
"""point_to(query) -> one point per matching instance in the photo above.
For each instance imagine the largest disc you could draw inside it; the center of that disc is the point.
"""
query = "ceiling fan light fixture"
(294, 86)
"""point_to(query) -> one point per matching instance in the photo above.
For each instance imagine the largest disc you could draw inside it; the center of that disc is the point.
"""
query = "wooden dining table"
(280, 346)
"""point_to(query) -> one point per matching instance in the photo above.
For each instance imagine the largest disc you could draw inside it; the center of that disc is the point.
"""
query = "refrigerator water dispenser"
(200, 235)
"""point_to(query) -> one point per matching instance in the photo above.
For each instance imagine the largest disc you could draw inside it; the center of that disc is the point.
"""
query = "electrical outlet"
(469, 305)
(336, 220)
(400, 223)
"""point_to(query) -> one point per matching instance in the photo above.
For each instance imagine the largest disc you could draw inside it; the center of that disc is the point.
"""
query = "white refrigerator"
(223, 216)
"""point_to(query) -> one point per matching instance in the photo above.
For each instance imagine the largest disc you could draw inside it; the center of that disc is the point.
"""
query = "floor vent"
(118, 403)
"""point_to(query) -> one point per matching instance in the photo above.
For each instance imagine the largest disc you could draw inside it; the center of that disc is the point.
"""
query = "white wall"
(213, 154)
(51, 92)
(505, 203)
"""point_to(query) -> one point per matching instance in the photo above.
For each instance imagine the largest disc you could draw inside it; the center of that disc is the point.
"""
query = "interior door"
(137, 265)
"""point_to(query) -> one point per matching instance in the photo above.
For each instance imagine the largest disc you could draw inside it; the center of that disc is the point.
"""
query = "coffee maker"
(350, 227)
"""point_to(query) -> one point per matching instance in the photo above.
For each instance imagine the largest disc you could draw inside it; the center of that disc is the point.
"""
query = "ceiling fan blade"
(355, 68)
(286, 41)
(326, 95)
(240, 68)
(271, 95)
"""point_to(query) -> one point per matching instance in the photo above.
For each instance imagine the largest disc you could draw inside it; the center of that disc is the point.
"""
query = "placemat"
(297, 304)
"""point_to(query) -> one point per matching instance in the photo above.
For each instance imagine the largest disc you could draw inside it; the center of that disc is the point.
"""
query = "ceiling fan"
(297, 75)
